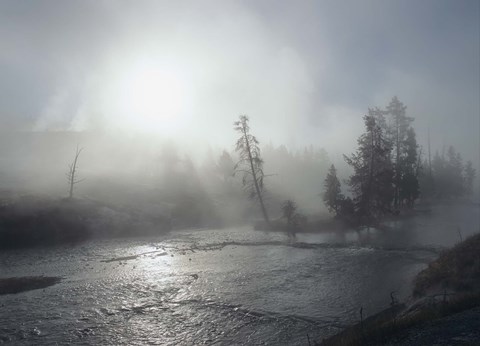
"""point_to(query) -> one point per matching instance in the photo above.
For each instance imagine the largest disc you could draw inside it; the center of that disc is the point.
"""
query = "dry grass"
(457, 269)
(381, 328)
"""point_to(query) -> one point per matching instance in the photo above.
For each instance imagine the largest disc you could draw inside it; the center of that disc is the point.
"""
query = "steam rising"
(129, 79)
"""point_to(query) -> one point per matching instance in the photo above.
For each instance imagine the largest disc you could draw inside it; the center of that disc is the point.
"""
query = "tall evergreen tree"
(371, 182)
(469, 178)
(455, 172)
(250, 164)
(398, 132)
(440, 176)
(225, 166)
(332, 195)
(408, 187)
(448, 173)
(426, 181)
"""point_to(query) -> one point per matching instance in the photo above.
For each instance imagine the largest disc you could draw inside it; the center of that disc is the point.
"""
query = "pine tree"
(225, 166)
(398, 132)
(250, 164)
(448, 174)
(455, 172)
(469, 178)
(332, 195)
(409, 167)
(440, 176)
(426, 181)
(289, 212)
(371, 182)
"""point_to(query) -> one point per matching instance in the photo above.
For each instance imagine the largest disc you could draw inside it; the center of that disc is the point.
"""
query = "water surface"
(225, 286)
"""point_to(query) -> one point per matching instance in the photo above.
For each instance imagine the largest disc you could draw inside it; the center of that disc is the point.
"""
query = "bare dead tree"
(250, 163)
(72, 172)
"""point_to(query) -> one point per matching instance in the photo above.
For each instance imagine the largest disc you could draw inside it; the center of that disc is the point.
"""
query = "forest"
(390, 172)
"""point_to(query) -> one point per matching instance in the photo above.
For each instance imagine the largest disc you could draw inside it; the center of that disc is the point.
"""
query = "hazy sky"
(305, 72)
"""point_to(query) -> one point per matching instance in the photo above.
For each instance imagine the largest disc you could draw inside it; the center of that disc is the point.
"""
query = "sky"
(304, 71)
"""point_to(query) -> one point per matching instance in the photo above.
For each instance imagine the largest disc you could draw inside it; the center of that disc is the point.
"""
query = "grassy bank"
(456, 270)
(450, 284)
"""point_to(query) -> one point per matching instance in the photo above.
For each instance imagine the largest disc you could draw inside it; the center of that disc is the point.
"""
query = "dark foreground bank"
(31, 221)
(444, 308)
(27, 283)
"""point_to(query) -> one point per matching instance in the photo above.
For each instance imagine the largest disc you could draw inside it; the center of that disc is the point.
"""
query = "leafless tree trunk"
(72, 172)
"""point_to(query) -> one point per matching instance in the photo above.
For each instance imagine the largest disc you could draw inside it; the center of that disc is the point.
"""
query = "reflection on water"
(234, 286)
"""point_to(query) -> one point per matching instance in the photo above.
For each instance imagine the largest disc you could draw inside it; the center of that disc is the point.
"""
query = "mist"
(184, 73)
(194, 147)
(305, 80)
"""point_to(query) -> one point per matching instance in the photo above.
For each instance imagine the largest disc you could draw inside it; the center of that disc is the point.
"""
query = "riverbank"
(323, 223)
(316, 225)
(32, 220)
(443, 309)
(27, 283)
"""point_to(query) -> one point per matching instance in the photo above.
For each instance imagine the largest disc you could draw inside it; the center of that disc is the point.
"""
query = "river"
(231, 286)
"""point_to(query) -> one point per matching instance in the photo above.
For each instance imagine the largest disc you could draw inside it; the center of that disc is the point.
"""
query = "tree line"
(389, 175)
(388, 172)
